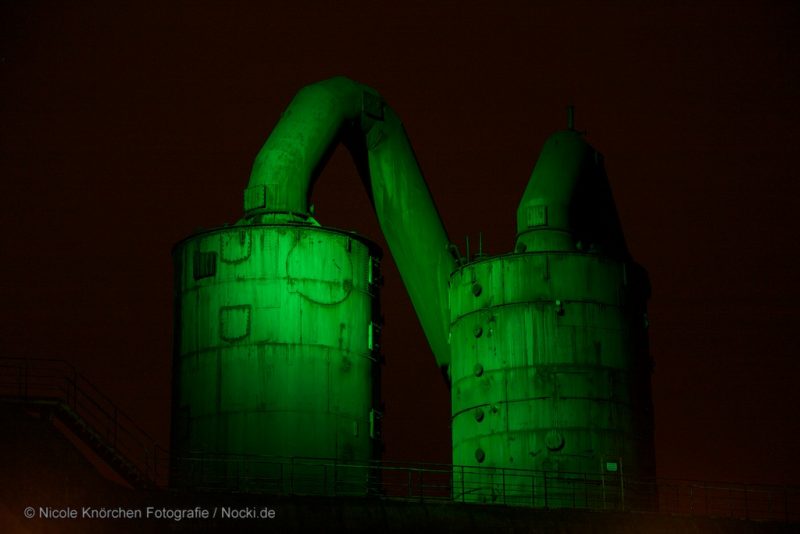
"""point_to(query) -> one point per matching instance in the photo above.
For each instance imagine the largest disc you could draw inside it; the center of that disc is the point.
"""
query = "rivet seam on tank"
(234, 322)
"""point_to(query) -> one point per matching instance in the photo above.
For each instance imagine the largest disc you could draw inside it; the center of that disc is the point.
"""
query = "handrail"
(52, 380)
(471, 484)
(58, 381)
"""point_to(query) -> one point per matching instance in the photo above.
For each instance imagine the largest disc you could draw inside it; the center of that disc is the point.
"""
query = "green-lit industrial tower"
(550, 367)
(275, 356)
(277, 319)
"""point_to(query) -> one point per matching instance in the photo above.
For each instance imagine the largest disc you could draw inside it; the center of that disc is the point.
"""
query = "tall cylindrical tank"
(550, 365)
(549, 377)
(275, 358)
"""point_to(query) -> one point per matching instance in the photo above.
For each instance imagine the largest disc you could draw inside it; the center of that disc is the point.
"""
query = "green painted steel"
(340, 110)
(568, 204)
(546, 347)
(550, 368)
(276, 351)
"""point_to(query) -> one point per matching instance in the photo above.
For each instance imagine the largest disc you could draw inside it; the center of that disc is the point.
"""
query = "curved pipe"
(340, 110)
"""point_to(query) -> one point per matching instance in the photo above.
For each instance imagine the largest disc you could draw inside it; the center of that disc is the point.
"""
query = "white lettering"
(57, 513)
(238, 513)
(88, 512)
(177, 514)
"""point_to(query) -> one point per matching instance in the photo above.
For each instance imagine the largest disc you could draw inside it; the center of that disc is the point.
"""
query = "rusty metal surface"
(547, 374)
(276, 352)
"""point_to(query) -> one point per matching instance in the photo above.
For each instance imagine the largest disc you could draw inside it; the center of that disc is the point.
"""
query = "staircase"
(56, 390)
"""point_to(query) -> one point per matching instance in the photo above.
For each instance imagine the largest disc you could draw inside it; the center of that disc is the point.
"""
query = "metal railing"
(58, 384)
(467, 484)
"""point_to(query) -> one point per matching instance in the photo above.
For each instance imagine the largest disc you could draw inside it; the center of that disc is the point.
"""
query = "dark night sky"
(123, 129)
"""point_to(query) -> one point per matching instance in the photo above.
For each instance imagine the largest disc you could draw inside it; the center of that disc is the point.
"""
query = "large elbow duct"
(340, 110)
(545, 347)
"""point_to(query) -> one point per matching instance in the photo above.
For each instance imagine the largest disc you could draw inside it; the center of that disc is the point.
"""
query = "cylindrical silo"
(276, 358)
(277, 318)
(277, 321)
(550, 370)
(546, 378)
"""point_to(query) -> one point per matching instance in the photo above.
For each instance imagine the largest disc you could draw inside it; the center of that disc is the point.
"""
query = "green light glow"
(340, 110)
(274, 349)
(550, 370)
(277, 317)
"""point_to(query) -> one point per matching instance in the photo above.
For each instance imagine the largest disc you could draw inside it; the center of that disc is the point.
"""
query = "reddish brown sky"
(122, 129)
